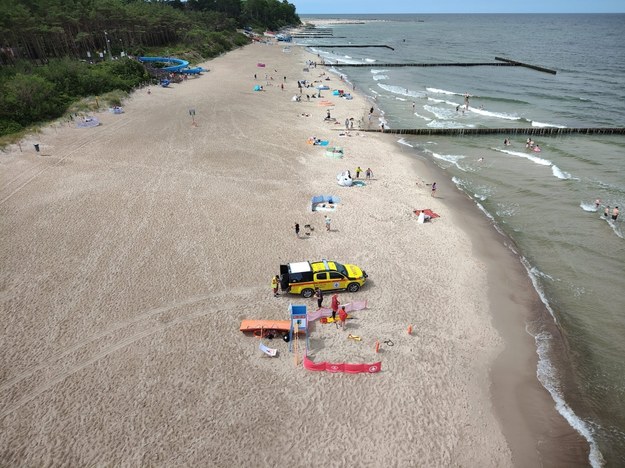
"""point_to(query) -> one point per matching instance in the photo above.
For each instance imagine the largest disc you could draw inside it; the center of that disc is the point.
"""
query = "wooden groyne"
(502, 62)
(540, 131)
(526, 65)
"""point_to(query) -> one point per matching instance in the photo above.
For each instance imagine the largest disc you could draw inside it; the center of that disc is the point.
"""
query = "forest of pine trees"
(53, 52)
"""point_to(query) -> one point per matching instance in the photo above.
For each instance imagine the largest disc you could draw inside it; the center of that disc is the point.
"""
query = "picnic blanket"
(428, 212)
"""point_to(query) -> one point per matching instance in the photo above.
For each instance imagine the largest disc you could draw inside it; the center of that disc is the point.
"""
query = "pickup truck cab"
(303, 277)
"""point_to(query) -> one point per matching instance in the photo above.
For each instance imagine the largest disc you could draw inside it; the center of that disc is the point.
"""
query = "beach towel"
(268, 351)
(428, 212)
(88, 122)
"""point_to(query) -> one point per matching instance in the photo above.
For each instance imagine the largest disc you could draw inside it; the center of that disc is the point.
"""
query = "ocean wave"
(450, 158)
(402, 141)
(400, 90)
(375, 71)
(370, 60)
(498, 115)
(531, 157)
(548, 377)
(380, 77)
(422, 117)
(447, 124)
(441, 112)
(588, 207)
(441, 91)
(560, 174)
(615, 228)
(544, 125)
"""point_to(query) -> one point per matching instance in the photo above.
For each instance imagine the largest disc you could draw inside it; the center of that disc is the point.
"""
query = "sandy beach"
(132, 251)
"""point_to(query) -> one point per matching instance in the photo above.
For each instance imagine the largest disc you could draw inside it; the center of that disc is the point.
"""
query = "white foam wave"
(447, 124)
(498, 115)
(615, 228)
(542, 125)
(441, 91)
(588, 207)
(548, 377)
(400, 90)
(380, 77)
(422, 117)
(401, 141)
(442, 113)
(375, 71)
(370, 60)
(443, 101)
(531, 157)
(560, 174)
(450, 158)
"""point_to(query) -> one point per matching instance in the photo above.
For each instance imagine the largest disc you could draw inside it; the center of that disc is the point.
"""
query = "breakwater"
(540, 131)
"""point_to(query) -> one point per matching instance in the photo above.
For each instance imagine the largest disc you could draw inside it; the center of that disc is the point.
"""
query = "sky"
(304, 7)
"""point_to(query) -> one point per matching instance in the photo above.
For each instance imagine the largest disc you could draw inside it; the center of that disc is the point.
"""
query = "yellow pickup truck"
(303, 277)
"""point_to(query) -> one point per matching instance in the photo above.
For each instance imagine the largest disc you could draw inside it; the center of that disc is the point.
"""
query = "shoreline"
(536, 432)
(164, 215)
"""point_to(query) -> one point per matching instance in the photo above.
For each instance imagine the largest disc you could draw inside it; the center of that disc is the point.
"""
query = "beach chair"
(268, 351)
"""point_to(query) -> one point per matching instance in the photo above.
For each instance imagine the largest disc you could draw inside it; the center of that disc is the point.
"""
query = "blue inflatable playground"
(177, 65)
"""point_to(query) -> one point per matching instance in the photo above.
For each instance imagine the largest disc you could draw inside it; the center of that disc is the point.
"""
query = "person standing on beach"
(434, 189)
(328, 221)
(342, 317)
(358, 171)
(606, 212)
(335, 306)
(614, 213)
(368, 173)
(275, 281)
(297, 230)
(319, 296)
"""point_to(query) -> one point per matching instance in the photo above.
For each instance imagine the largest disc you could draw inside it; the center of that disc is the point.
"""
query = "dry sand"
(130, 253)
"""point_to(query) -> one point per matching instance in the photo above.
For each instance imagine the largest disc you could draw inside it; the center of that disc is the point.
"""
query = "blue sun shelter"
(299, 321)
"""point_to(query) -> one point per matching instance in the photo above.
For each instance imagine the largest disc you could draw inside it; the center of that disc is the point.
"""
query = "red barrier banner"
(342, 367)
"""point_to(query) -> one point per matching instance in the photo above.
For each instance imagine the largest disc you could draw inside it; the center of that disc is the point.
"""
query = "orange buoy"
(377, 346)
(410, 329)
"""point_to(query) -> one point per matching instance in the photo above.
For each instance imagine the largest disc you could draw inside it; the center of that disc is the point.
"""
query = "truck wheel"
(353, 287)
(308, 292)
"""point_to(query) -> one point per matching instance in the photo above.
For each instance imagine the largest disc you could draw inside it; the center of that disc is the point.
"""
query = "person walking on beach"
(342, 317)
(606, 212)
(328, 221)
(368, 173)
(358, 171)
(275, 281)
(319, 296)
(434, 189)
(346, 124)
(297, 230)
(614, 213)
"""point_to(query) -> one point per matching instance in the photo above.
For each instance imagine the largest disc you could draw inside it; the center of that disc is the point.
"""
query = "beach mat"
(428, 212)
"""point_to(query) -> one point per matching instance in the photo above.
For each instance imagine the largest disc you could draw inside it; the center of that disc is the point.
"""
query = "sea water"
(544, 201)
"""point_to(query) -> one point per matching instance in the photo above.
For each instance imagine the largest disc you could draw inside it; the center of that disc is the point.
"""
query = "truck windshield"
(341, 268)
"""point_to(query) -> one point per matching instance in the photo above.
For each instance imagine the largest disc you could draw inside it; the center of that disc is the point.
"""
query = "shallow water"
(543, 200)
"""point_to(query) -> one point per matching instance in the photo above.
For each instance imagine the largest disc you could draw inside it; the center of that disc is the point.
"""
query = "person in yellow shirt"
(358, 171)
(275, 281)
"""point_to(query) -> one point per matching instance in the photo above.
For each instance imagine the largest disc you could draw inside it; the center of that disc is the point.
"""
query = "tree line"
(55, 52)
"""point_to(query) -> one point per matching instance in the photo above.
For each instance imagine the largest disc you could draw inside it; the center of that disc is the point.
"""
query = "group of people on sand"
(336, 307)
